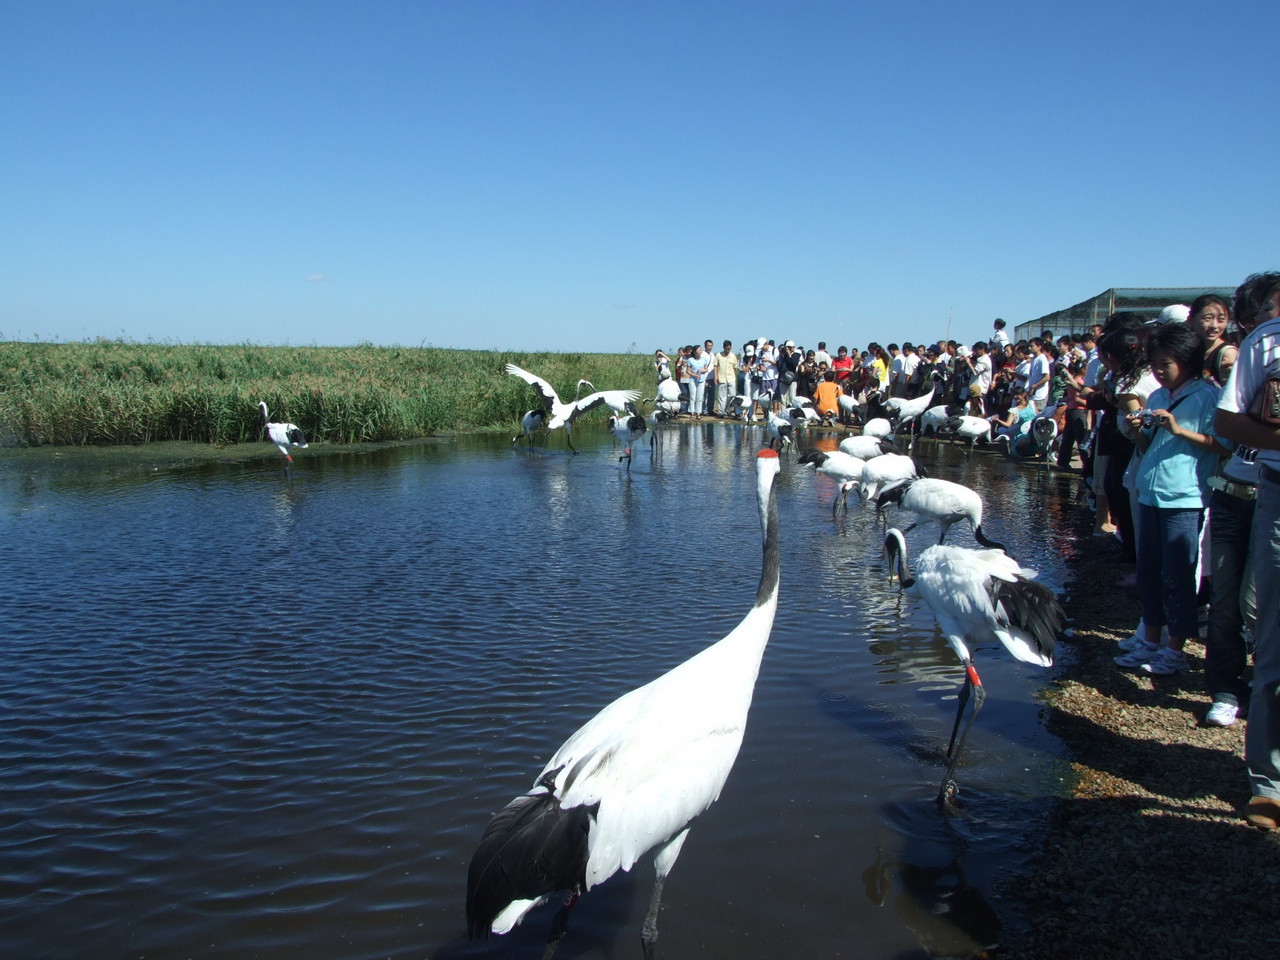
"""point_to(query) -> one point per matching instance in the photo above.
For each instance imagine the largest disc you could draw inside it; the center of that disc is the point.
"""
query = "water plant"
(123, 392)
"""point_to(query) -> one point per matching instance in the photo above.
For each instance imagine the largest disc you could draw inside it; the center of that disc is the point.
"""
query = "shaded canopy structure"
(1147, 301)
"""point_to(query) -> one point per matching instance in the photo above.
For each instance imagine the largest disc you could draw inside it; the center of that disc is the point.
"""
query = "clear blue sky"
(591, 175)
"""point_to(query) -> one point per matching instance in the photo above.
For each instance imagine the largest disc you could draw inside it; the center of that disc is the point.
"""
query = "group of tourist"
(1175, 420)
(761, 376)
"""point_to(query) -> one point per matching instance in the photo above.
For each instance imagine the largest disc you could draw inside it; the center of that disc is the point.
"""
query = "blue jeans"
(1262, 733)
(1168, 548)
(1230, 602)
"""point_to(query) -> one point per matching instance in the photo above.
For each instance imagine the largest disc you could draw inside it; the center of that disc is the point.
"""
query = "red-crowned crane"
(866, 447)
(533, 420)
(906, 412)
(932, 420)
(877, 427)
(668, 398)
(846, 470)
(883, 470)
(561, 414)
(969, 428)
(283, 435)
(655, 422)
(938, 501)
(779, 430)
(976, 595)
(628, 427)
(634, 777)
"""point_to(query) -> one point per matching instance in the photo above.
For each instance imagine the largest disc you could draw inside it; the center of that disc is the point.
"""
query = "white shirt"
(1092, 370)
(1021, 372)
(1258, 361)
(895, 372)
(1040, 368)
(909, 363)
(982, 372)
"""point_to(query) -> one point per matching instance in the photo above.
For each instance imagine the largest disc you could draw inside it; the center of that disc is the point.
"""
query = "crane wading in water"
(561, 414)
(634, 777)
(283, 435)
(976, 595)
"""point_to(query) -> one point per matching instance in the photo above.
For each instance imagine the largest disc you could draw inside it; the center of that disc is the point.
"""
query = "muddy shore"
(1149, 856)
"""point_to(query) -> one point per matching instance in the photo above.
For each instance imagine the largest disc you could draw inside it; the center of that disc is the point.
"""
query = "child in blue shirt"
(1180, 454)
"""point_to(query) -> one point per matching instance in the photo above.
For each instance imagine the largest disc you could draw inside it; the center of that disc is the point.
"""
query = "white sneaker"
(1223, 713)
(1138, 656)
(1135, 641)
(1165, 663)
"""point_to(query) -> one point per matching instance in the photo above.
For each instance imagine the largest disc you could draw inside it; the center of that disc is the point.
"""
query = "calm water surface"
(244, 716)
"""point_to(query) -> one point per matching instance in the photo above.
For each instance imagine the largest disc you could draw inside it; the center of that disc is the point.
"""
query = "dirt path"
(1149, 857)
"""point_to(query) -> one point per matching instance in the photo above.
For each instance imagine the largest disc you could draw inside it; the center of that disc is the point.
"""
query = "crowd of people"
(1174, 422)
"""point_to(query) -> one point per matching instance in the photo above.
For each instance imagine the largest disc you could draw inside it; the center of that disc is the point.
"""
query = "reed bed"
(106, 392)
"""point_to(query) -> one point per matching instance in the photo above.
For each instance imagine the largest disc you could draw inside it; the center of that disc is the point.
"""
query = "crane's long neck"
(896, 545)
(768, 498)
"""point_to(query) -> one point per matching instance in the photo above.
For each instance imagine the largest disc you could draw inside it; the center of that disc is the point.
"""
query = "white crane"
(937, 501)
(969, 428)
(906, 412)
(615, 400)
(1044, 434)
(866, 447)
(886, 469)
(561, 414)
(628, 427)
(633, 778)
(535, 419)
(976, 595)
(841, 467)
(877, 427)
(283, 435)
(655, 422)
(779, 430)
(846, 404)
(668, 398)
(932, 419)
(804, 415)
(742, 407)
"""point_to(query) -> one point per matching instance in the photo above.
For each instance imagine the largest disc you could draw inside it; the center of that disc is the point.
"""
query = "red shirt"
(843, 366)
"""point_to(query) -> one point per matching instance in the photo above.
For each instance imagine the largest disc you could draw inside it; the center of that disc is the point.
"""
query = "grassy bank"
(119, 392)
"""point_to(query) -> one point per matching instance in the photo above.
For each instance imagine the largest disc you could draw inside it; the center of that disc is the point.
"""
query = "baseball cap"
(1173, 313)
(789, 343)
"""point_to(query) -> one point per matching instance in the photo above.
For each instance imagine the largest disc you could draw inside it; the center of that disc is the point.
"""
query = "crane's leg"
(662, 863)
(569, 440)
(972, 683)
(559, 925)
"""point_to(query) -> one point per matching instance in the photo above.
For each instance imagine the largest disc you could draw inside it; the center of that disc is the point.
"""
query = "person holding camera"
(1179, 453)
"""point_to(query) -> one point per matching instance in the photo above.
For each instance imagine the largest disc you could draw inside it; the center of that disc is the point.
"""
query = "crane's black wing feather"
(532, 848)
(1032, 607)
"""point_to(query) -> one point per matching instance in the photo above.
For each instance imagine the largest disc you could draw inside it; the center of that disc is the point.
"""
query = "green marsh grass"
(107, 392)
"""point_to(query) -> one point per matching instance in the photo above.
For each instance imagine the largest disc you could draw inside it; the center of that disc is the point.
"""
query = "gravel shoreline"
(1149, 856)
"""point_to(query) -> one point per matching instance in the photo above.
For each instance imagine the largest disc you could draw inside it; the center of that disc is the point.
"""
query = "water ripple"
(242, 716)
